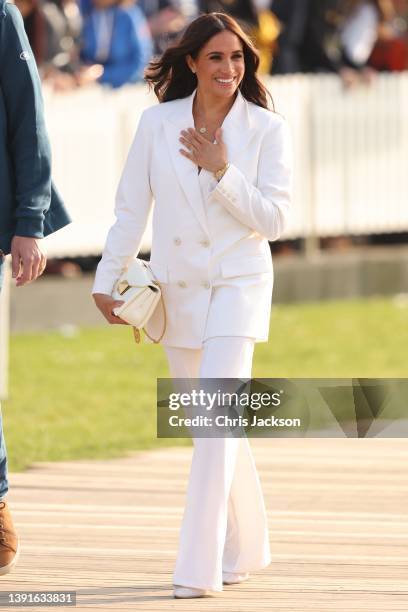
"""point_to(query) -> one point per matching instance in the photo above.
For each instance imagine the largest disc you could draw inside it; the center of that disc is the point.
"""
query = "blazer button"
(182, 284)
(206, 285)
(177, 241)
(205, 243)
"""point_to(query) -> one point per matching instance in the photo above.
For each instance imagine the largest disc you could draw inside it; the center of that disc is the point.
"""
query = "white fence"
(351, 152)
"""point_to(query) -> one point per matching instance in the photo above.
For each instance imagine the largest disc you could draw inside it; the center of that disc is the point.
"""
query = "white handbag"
(141, 293)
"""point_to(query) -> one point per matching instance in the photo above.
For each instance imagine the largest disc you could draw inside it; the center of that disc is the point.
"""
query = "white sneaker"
(233, 578)
(181, 592)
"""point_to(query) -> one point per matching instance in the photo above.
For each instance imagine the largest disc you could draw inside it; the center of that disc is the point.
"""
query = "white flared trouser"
(224, 526)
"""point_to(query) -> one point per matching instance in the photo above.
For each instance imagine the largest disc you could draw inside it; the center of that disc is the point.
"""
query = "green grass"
(93, 394)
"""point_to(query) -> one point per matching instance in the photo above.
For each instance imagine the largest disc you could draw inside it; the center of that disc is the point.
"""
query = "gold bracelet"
(220, 173)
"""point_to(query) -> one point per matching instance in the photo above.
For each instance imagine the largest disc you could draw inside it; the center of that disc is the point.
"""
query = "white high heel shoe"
(233, 578)
(181, 592)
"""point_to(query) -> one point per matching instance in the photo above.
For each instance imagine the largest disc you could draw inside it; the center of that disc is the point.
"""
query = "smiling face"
(219, 65)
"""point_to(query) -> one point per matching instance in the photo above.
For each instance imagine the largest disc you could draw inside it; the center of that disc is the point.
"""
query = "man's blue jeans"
(3, 453)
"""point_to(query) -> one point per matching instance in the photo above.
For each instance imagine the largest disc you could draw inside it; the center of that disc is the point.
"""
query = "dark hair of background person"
(171, 77)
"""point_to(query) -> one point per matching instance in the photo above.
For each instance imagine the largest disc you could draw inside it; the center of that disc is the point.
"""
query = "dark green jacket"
(29, 203)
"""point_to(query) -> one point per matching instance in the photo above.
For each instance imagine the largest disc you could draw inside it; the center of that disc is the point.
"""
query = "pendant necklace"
(203, 129)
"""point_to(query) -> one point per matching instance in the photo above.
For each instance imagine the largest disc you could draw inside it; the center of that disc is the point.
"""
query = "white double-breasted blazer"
(210, 248)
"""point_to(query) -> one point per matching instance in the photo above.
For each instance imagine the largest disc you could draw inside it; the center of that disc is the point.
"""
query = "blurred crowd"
(77, 42)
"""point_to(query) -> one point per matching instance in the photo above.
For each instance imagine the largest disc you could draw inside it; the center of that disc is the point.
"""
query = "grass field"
(92, 394)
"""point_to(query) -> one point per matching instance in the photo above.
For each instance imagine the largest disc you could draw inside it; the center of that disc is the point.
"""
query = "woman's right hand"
(106, 304)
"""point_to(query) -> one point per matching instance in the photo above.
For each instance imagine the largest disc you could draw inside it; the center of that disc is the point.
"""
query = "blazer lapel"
(237, 130)
(186, 171)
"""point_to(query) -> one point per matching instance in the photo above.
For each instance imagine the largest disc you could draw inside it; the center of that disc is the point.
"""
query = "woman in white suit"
(215, 161)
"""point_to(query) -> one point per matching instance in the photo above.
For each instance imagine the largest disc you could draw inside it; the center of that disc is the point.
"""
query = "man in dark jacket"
(30, 207)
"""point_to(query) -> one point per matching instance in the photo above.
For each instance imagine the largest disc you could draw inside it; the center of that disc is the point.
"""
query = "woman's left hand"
(207, 155)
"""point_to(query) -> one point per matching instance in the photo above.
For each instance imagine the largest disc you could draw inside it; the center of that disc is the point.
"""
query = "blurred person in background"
(35, 27)
(307, 27)
(329, 36)
(391, 49)
(29, 204)
(266, 34)
(358, 34)
(63, 30)
(53, 29)
(167, 18)
(116, 41)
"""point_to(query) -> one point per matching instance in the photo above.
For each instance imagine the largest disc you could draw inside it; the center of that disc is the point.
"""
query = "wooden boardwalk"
(338, 518)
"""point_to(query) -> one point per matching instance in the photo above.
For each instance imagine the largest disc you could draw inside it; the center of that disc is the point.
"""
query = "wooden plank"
(109, 529)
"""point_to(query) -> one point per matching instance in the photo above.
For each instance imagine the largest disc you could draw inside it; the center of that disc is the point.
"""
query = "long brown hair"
(171, 77)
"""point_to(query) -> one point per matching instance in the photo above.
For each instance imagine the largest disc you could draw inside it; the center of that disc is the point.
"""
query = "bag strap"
(136, 331)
